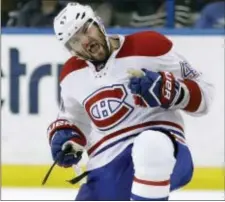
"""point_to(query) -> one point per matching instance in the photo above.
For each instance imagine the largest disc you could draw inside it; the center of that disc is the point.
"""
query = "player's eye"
(84, 29)
(74, 41)
(87, 26)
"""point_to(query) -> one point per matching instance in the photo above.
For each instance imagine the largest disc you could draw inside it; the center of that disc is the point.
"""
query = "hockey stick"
(67, 149)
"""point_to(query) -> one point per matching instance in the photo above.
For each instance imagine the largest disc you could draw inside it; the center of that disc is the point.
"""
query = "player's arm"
(163, 89)
(176, 85)
(198, 91)
(70, 128)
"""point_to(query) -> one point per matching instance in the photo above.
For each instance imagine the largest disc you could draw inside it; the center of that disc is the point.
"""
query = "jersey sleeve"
(199, 91)
(71, 110)
(158, 54)
(71, 113)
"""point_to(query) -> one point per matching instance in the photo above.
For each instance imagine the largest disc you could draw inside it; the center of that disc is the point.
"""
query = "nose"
(85, 42)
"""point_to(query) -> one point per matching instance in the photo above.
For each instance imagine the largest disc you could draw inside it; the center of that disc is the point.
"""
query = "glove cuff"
(189, 97)
(61, 124)
(170, 89)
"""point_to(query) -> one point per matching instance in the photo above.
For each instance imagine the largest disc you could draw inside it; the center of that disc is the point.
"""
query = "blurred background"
(31, 60)
(120, 13)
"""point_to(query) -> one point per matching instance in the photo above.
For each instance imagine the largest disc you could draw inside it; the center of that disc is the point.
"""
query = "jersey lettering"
(168, 86)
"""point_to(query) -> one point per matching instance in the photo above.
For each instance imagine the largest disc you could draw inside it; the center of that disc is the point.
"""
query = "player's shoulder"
(146, 43)
(71, 65)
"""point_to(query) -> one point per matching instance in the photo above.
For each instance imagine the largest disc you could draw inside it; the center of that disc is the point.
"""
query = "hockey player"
(121, 102)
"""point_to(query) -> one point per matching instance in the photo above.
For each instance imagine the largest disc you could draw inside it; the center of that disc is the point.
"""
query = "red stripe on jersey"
(152, 183)
(195, 95)
(147, 43)
(73, 64)
(138, 100)
(124, 130)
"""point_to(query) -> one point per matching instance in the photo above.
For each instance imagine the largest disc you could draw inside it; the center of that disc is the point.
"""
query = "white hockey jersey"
(102, 108)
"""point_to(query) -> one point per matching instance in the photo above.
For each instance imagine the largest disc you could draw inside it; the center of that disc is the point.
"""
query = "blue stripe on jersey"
(114, 143)
(140, 198)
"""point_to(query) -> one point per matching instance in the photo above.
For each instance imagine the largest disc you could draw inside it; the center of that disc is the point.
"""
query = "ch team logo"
(107, 106)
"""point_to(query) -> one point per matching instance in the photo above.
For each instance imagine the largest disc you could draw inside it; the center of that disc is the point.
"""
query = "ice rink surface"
(69, 194)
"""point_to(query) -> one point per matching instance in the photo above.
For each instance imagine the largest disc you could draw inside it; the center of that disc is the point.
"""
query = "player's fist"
(62, 134)
(157, 89)
(59, 142)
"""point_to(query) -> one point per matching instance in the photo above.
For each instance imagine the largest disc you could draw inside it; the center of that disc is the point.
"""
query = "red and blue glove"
(63, 134)
(158, 89)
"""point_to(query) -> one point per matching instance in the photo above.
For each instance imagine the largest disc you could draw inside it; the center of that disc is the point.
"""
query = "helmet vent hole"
(60, 39)
(83, 16)
(61, 22)
(78, 14)
(60, 33)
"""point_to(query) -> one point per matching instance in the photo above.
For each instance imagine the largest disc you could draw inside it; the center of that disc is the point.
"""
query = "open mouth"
(93, 47)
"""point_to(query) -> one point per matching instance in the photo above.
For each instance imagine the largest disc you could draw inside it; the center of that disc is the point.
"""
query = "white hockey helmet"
(72, 18)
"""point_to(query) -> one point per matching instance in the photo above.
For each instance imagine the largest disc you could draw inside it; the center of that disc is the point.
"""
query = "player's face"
(89, 43)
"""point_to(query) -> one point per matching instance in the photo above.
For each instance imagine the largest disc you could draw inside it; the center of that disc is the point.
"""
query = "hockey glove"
(61, 135)
(156, 88)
